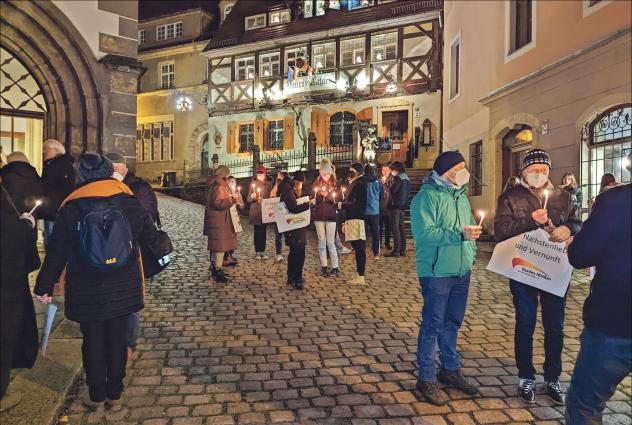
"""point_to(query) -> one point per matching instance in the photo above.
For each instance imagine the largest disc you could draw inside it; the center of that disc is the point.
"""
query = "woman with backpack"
(218, 224)
(325, 215)
(104, 280)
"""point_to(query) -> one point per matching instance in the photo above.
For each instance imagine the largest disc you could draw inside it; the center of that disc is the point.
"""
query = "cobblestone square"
(256, 351)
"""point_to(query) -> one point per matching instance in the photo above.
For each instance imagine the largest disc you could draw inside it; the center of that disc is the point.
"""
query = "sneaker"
(220, 276)
(554, 391)
(113, 405)
(526, 390)
(454, 378)
(376, 257)
(324, 272)
(264, 257)
(259, 256)
(432, 393)
(344, 250)
(299, 284)
(279, 258)
(87, 401)
(358, 280)
(10, 399)
(290, 281)
(233, 256)
(334, 272)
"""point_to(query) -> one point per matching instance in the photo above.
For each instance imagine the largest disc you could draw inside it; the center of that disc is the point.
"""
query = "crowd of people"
(103, 278)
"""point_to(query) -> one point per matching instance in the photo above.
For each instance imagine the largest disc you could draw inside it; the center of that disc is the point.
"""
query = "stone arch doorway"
(515, 145)
(204, 156)
(48, 45)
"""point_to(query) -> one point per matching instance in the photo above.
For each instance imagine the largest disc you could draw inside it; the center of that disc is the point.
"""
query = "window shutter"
(319, 126)
(232, 136)
(288, 133)
(266, 134)
(258, 130)
(365, 114)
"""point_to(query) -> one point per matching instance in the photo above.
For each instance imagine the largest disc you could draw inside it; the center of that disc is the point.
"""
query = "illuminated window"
(294, 53)
(165, 32)
(352, 51)
(245, 68)
(356, 4)
(256, 21)
(279, 17)
(324, 55)
(384, 46)
(269, 64)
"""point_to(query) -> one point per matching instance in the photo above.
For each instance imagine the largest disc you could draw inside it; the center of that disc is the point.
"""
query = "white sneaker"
(259, 256)
(264, 257)
(344, 250)
(279, 258)
(358, 280)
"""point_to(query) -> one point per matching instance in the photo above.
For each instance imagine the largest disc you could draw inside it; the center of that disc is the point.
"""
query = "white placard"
(267, 209)
(287, 221)
(532, 259)
(234, 217)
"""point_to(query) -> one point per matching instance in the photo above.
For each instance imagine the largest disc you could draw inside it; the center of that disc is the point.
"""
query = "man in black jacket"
(399, 191)
(520, 209)
(22, 182)
(59, 178)
(100, 300)
(605, 355)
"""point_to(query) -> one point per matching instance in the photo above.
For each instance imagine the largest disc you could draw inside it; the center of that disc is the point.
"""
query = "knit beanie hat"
(299, 176)
(261, 169)
(397, 166)
(115, 157)
(447, 160)
(222, 171)
(325, 165)
(536, 156)
(357, 167)
(94, 166)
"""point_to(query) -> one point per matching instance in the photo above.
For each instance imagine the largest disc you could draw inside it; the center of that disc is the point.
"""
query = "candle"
(343, 193)
(238, 188)
(259, 192)
(315, 192)
(546, 199)
(383, 179)
(482, 213)
(37, 204)
(334, 195)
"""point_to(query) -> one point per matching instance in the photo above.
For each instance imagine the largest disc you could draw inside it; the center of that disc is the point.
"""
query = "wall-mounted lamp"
(184, 104)
(426, 134)
(391, 87)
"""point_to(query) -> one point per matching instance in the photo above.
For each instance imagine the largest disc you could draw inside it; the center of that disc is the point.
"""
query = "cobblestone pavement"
(255, 351)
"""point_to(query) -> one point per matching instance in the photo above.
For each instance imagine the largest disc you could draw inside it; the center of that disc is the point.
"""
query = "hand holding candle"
(37, 204)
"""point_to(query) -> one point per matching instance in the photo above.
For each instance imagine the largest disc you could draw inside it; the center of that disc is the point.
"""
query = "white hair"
(56, 145)
(17, 156)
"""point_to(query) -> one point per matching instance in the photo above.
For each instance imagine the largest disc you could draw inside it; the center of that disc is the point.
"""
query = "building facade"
(548, 74)
(69, 72)
(172, 117)
(282, 72)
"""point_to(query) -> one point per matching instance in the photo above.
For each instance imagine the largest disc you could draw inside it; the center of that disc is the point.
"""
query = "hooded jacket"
(23, 184)
(399, 191)
(355, 203)
(59, 179)
(144, 193)
(325, 208)
(438, 214)
(374, 195)
(288, 196)
(94, 295)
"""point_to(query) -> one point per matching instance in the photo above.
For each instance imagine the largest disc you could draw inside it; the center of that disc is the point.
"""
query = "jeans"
(326, 231)
(48, 229)
(602, 363)
(385, 225)
(396, 217)
(525, 300)
(359, 247)
(133, 325)
(104, 352)
(260, 237)
(278, 241)
(445, 299)
(372, 223)
(295, 261)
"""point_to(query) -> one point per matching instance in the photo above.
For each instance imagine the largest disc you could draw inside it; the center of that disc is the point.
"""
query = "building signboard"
(306, 84)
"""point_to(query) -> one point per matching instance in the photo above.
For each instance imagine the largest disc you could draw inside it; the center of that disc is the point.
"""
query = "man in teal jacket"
(445, 233)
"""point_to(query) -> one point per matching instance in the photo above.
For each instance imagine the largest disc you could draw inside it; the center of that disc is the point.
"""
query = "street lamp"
(184, 104)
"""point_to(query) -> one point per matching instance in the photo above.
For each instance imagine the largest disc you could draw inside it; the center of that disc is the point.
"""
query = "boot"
(432, 393)
(113, 405)
(454, 378)
(324, 272)
(299, 284)
(334, 272)
(290, 281)
(87, 401)
(358, 280)
(221, 277)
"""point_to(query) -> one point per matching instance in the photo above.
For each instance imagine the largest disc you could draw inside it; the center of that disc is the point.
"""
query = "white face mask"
(393, 173)
(118, 176)
(462, 177)
(537, 179)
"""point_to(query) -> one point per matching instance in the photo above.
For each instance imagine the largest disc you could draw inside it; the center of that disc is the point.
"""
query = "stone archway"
(195, 143)
(59, 59)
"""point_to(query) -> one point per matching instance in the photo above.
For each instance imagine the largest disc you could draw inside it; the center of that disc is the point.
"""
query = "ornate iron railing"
(340, 156)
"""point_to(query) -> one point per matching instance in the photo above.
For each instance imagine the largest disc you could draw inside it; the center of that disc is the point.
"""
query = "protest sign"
(287, 221)
(267, 209)
(234, 217)
(532, 259)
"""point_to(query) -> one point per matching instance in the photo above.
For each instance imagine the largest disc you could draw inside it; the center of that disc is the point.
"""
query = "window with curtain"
(324, 55)
(521, 22)
(269, 64)
(245, 68)
(341, 125)
(352, 51)
(384, 46)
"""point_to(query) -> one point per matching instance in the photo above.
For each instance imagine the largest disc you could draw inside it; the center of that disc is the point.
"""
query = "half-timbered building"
(284, 72)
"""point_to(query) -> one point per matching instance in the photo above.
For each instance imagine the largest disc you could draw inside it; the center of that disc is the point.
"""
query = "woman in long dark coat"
(218, 225)
(18, 328)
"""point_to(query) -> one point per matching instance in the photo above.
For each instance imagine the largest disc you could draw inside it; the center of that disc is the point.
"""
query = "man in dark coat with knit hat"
(99, 299)
(519, 210)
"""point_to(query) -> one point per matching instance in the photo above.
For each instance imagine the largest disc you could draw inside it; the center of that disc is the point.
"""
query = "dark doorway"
(515, 145)
(395, 132)
(204, 157)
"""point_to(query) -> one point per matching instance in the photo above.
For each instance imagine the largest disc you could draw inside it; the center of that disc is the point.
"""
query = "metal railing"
(340, 156)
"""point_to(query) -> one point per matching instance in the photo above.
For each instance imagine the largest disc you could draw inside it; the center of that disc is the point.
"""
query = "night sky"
(152, 8)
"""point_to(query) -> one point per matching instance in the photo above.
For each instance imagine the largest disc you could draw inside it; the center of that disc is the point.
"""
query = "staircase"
(417, 177)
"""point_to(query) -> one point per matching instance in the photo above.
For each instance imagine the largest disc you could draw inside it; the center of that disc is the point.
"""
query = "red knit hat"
(261, 169)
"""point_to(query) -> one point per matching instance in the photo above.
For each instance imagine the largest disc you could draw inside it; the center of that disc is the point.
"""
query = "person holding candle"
(537, 203)
(445, 233)
(325, 215)
(259, 190)
(353, 208)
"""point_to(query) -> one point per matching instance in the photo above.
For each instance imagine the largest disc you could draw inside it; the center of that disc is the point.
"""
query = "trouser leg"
(116, 356)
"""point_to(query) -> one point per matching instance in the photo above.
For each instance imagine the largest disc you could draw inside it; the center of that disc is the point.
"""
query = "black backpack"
(105, 235)
(157, 256)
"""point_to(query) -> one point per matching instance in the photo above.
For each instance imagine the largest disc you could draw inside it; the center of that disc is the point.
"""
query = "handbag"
(157, 255)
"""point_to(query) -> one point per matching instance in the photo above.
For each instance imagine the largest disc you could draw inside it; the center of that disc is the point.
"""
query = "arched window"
(609, 142)
(204, 155)
(341, 125)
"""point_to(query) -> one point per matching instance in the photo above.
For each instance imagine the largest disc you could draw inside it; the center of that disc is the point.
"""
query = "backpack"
(105, 235)
(157, 256)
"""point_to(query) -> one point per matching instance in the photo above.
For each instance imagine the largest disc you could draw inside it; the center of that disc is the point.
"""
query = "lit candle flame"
(37, 204)
(546, 199)
(482, 214)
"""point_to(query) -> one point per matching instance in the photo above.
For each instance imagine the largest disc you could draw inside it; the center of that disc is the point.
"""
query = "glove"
(28, 217)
